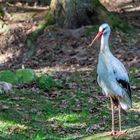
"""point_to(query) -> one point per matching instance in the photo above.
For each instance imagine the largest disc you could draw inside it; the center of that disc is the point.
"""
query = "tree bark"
(76, 13)
(71, 13)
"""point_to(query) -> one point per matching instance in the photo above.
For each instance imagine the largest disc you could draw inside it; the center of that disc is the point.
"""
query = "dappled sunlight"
(137, 110)
(68, 118)
(78, 125)
(73, 123)
(136, 105)
(22, 16)
(5, 57)
(136, 9)
(8, 127)
(64, 68)
(132, 133)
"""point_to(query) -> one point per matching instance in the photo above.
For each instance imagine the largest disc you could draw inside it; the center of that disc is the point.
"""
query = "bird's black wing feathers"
(124, 84)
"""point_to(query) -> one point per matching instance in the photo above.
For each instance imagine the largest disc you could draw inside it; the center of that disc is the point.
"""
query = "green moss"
(117, 22)
(20, 76)
(30, 115)
(25, 75)
(1, 13)
(47, 82)
(49, 20)
(31, 40)
(105, 16)
(8, 76)
(69, 118)
(96, 3)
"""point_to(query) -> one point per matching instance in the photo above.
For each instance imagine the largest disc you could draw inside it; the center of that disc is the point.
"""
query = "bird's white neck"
(104, 44)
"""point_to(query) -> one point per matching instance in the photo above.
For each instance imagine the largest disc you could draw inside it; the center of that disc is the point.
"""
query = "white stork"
(112, 77)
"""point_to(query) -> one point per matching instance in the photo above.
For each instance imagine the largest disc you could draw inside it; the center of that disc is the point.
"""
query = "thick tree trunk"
(71, 13)
(76, 13)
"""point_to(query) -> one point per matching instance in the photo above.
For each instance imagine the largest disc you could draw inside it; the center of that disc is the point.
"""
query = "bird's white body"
(112, 77)
(110, 70)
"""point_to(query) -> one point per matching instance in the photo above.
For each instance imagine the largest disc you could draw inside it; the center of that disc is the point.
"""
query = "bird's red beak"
(96, 38)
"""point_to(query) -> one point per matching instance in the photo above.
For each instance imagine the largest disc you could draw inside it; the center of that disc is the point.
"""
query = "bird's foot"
(120, 133)
(112, 133)
(117, 133)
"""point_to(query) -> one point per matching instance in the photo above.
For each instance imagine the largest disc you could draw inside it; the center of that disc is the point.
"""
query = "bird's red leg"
(112, 107)
(120, 121)
(120, 133)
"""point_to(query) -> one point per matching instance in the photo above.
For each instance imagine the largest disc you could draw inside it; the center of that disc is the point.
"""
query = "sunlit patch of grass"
(9, 127)
(99, 136)
(63, 117)
(39, 136)
(68, 118)
(136, 105)
(75, 125)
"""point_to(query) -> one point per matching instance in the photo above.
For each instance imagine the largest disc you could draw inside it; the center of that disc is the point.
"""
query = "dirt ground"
(64, 47)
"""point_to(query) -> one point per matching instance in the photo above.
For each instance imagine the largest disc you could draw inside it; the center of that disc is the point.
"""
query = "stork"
(112, 77)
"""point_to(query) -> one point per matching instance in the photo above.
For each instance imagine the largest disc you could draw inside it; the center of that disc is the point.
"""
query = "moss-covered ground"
(75, 111)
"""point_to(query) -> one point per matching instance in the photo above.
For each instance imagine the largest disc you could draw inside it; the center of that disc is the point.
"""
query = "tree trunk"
(71, 13)
(76, 13)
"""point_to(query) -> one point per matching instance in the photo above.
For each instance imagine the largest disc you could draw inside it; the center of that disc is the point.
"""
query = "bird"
(112, 77)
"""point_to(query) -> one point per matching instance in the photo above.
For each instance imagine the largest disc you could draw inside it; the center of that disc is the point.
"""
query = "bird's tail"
(125, 102)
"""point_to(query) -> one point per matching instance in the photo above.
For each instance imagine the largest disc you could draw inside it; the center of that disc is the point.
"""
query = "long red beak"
(96, 38)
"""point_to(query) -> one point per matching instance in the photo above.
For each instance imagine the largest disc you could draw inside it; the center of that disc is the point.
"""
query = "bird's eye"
(104, 29)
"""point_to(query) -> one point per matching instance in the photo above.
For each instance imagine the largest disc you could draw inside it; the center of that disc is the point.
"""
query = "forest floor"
(78, 110)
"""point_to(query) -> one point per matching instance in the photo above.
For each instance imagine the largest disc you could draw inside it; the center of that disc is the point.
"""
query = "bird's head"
(104, 30)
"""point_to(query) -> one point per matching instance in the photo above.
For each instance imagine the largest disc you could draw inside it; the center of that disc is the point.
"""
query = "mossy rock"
(47, 82)
(8, 76)
(25, 75)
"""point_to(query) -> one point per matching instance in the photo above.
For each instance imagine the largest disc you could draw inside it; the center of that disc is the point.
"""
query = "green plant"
(25, 75)
(8, 76)
(47, 82)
